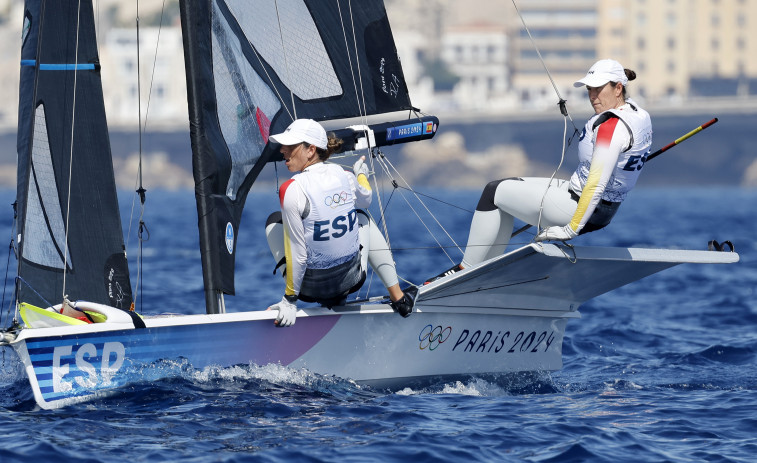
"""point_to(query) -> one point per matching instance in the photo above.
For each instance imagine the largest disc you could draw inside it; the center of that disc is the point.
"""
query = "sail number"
(488, 341)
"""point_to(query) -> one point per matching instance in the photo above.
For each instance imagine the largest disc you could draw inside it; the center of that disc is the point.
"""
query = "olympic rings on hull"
(432, 337)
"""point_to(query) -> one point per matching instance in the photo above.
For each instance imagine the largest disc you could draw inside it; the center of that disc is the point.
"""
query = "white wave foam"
(474, 387)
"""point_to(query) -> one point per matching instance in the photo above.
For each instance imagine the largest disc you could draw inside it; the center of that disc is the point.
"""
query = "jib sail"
(68, 222)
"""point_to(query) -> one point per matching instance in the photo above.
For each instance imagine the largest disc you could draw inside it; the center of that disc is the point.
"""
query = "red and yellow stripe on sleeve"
(604, 137)
(289, 288)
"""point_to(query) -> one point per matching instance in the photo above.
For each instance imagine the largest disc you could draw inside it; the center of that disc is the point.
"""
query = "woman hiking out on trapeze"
(612, 150)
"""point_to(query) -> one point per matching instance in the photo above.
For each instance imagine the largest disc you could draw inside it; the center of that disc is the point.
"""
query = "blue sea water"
(662, 369)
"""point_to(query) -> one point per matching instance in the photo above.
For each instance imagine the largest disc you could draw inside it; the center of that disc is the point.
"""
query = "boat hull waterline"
(523, 302)
(369, 344)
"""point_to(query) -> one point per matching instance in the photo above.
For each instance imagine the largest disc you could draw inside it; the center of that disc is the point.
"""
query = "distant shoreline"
(723, 155)
(578, 110)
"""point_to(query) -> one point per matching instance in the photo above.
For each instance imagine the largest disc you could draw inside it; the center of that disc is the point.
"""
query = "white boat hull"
(369, 344)
(506, 315)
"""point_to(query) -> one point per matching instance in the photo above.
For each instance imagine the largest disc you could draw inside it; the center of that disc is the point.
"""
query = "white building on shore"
(162, 80)
(477, 54)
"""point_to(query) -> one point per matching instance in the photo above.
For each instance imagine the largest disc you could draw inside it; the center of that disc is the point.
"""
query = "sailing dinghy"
(244, 63)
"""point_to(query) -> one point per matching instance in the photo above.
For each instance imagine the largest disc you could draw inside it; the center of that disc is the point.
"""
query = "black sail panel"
(254, 66)
(69, 222)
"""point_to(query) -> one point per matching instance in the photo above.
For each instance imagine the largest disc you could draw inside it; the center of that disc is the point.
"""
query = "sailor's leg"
(532, 200)
(274, 233)
(490, 228)
(364, 232)
(379, 255)
(503, 236)
(536, 201)
(381, 260)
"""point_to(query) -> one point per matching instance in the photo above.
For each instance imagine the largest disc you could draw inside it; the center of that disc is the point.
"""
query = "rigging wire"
(154, 65)
(270, 80)
(359, 71)
(361, 110)
(71, 152)
(563, 109)
(377, 157)
(361, 104)
(360, 97)
(97, 34)
(286, 59)
(141, 190)
(142, 127)
(11, 248)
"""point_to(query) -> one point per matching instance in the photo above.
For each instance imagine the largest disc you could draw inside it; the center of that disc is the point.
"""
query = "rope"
(286, 60)
(549, 184)
(436, 199)
(349, 58)
(5, 282)
(154, 61)
(270, 80)
(11, 247)
(359, 73)
(21, 280)
(386, 164)
(541, 59)
(563, 109)
(71, 152)
(488, 288)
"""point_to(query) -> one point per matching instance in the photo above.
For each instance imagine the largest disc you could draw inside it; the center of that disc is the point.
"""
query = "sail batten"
(60, 66)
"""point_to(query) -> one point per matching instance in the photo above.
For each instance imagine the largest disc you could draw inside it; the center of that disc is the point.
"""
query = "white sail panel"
(245, 104)
(270, 25)
(44, 230)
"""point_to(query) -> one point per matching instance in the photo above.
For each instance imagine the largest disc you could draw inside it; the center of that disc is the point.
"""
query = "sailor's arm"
(293, 202)
(363, 192)
(612, 138)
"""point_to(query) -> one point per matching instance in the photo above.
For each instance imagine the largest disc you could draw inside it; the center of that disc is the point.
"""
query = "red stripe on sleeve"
(283, 190)
(606, 129)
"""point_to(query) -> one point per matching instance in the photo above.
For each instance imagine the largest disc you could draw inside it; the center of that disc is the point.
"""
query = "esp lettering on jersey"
(636, 162)
(324, 230)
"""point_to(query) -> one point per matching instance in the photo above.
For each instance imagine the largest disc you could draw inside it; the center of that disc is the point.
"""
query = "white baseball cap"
(303, 130)
(603, 71)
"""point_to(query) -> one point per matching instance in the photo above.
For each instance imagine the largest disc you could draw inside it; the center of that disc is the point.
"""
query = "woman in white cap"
(612, 150)
(321, 230)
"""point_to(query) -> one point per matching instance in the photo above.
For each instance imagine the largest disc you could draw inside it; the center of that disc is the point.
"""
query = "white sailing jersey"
(611, 152)
(319, 213)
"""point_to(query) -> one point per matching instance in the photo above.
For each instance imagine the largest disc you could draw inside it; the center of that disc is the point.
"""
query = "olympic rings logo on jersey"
(432, 337)
(337, 199)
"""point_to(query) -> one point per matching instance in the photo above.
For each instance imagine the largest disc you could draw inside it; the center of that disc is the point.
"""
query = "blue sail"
(68, 222)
